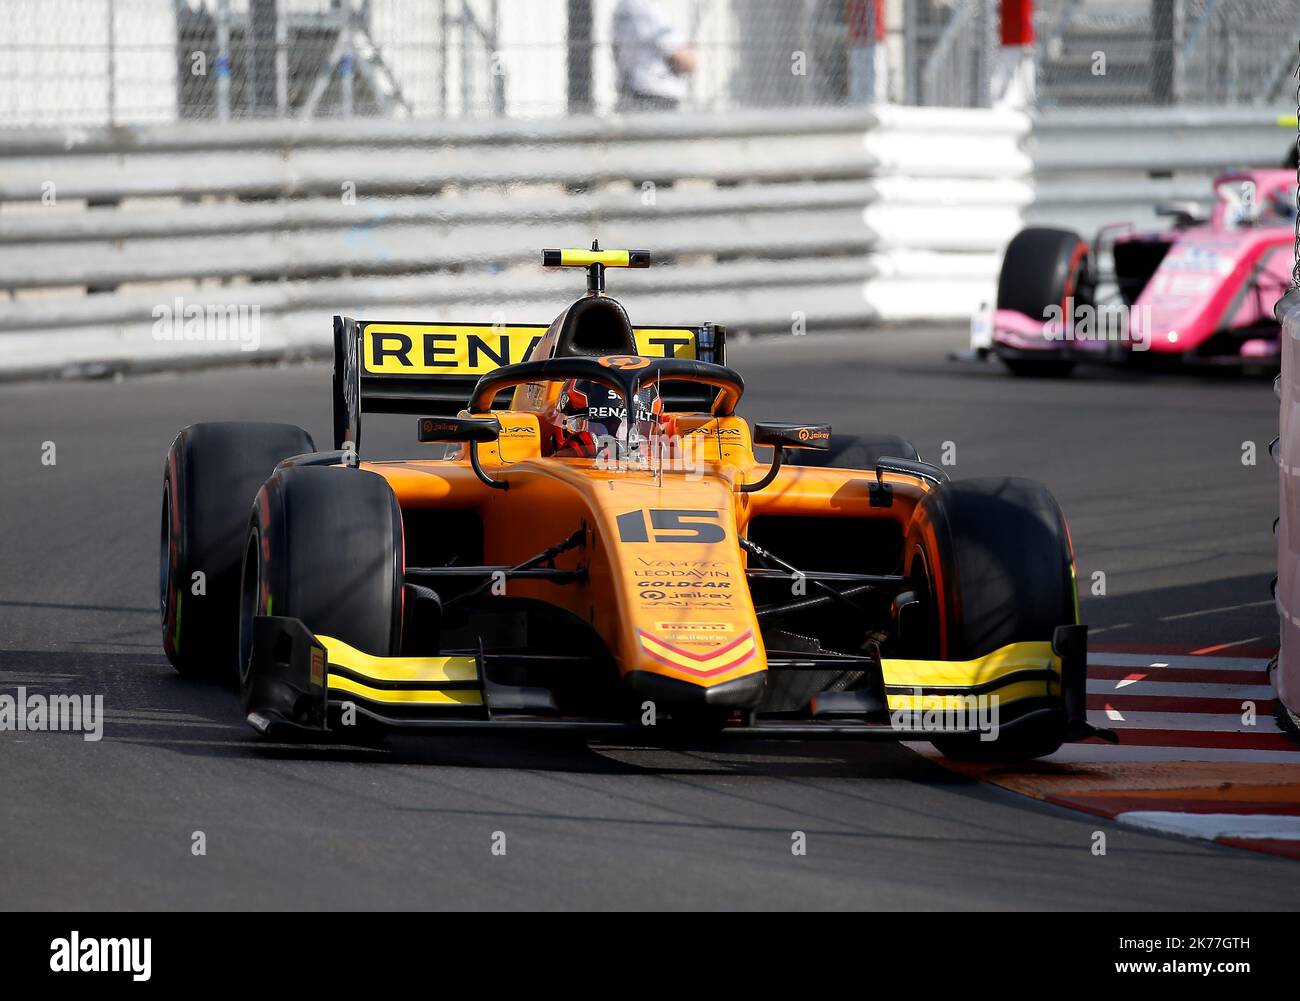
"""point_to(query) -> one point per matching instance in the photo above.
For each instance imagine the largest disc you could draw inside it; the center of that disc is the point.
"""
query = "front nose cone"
(739, 693)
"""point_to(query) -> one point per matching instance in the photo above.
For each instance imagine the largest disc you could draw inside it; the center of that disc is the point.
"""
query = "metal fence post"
(497, 71)
(911, 67)
(1168, 22)
(112, 62)
(578, 56)
(466, 94)
(223, 60)
(442, 58)
(347, 57)
(264, 23)
(281, 64)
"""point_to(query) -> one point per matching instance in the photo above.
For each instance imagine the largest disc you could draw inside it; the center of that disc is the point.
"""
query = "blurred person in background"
(652, 57)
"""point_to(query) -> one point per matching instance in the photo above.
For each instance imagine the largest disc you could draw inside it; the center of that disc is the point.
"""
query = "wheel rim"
(922, 583)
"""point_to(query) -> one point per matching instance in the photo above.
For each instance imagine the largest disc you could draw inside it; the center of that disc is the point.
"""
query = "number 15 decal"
(671, 526)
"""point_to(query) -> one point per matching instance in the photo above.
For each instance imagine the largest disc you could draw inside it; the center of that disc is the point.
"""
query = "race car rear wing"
(430, 369)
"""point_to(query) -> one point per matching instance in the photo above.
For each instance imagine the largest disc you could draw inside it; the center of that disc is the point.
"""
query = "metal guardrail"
(764, 221)
(297, 134)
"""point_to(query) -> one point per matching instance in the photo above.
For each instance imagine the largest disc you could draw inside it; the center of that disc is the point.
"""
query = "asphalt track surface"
(1148, 470)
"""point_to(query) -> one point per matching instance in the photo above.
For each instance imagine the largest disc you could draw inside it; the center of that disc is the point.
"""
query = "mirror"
(475, 429)
(784, 435)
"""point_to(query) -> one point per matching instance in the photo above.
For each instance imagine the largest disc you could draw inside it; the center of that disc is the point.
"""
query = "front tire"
(211, 474)
(1042, 268)
(324, 546)
(991, 562)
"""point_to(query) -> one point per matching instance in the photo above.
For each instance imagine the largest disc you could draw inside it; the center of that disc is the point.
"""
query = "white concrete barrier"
(763, 221)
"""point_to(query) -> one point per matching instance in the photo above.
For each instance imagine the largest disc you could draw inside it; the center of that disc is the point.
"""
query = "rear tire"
(991, 561)
(325, 546)
(211, 474)
(1043, 267)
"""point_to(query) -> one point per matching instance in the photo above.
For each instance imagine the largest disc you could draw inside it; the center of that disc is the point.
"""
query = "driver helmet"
(591, 415)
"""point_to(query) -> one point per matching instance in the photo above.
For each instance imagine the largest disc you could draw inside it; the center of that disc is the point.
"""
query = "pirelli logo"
(408, 349)
(697, 627)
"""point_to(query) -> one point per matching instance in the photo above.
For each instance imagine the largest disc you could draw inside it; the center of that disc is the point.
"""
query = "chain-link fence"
(89, 62)
(950, 51)
(75, 62)
(1106, 52)
(1230, 52)
(96, 61)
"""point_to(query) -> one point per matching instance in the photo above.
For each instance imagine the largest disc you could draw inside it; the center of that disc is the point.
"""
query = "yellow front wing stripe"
(1028, 656)
(459, 697)
(434, 670)
(1011, 693)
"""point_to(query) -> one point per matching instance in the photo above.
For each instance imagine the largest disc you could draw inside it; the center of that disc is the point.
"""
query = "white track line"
(1215, 825)
(1214, 611)
(1210, 722)
(1103, 659)
(1175, 689)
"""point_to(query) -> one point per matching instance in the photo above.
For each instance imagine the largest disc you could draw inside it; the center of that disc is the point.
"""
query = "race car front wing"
(314, 684)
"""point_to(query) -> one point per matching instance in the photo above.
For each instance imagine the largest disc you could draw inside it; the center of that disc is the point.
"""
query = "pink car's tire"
(1043, 267)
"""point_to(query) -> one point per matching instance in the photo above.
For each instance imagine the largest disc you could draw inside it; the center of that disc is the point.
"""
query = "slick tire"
(1043, 267)
(211, 474)
(990, 560)
(324, 545)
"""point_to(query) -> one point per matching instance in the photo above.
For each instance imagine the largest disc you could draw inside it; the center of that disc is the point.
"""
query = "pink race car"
(1202, 290)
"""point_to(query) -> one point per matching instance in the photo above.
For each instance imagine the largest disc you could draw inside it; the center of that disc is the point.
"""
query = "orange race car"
(600, 547)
